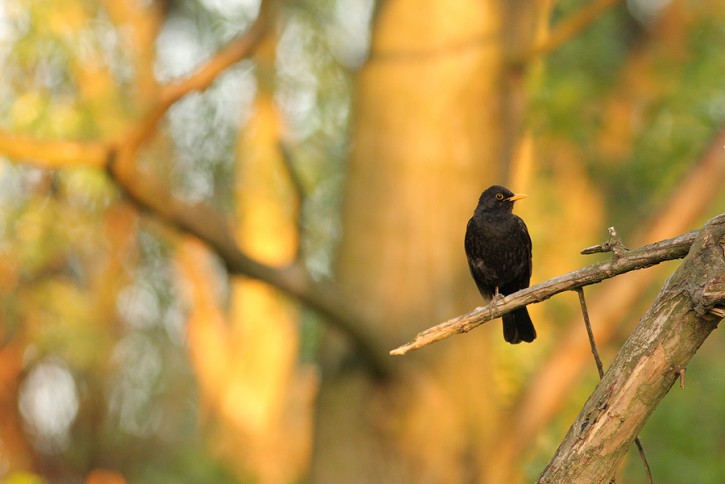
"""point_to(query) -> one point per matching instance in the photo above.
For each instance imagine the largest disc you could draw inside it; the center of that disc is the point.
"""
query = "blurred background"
(342, 145)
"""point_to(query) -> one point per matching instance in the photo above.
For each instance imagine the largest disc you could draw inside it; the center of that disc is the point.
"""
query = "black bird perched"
(498, 248)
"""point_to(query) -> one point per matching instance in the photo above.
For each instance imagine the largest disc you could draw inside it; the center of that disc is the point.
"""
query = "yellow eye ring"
(499, 196)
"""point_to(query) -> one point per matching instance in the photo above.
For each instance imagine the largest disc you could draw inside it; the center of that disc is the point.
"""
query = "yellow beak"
(517, 196)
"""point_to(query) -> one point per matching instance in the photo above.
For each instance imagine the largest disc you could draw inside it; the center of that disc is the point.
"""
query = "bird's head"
(498, 198)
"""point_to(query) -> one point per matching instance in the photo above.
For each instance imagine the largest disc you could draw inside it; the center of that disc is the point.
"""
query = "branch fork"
(642, 372)
(613, 245)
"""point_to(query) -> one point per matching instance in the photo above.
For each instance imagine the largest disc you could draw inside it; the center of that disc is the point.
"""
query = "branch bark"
(639, 258)
(687, 309)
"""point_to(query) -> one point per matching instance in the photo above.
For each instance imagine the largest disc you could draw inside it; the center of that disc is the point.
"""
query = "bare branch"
(53, 154)
(201, 221)
(205, 224)
(646, 367)
(63, 153)
(643, 457)
(590, 333)
(681, 372)
(640, 258)
(614, 245)
(237, 49)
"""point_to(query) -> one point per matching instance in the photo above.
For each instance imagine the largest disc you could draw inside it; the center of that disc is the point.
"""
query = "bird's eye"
(499, 196)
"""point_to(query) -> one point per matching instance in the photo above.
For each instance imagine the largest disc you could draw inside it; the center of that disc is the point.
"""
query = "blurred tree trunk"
(429, 138)
(259, 397)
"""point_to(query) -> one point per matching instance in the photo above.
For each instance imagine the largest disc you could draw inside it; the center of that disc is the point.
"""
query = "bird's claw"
(495, 299)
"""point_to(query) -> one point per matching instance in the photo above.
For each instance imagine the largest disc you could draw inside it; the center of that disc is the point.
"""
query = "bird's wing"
(525, 247)
(482, 275)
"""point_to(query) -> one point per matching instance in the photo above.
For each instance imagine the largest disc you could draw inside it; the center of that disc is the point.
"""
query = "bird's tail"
(517, 327)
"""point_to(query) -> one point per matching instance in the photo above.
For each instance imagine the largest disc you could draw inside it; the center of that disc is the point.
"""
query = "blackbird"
(498, 248)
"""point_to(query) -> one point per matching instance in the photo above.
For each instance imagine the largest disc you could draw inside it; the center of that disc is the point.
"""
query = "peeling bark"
(686, 311)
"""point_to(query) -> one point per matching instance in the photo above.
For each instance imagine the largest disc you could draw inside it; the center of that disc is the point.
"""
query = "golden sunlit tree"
(218, 218)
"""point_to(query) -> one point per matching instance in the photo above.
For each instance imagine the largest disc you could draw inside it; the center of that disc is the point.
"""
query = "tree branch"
(668, 335)
(63, 153)
(640, 258)
(118, 156)
(53, 154)
(234, 51)
(590, 333)
(206, 225)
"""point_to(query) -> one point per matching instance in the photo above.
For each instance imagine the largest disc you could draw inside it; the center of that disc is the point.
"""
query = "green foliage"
(677, 104)
(566, 100)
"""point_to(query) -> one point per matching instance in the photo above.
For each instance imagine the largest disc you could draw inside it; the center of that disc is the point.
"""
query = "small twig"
(614, 245)
(241, 47)
(720, 312)
(710, 299)
(600, 367)
(638, 443)
(681, 372)
(590, 333)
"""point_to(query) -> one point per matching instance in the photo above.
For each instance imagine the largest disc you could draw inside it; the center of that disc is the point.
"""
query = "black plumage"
(498, 248)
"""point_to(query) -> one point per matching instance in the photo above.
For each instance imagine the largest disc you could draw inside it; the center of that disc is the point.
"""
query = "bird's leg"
(495, 299)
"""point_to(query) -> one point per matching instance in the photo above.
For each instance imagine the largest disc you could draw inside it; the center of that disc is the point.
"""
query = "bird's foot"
(495, 299)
